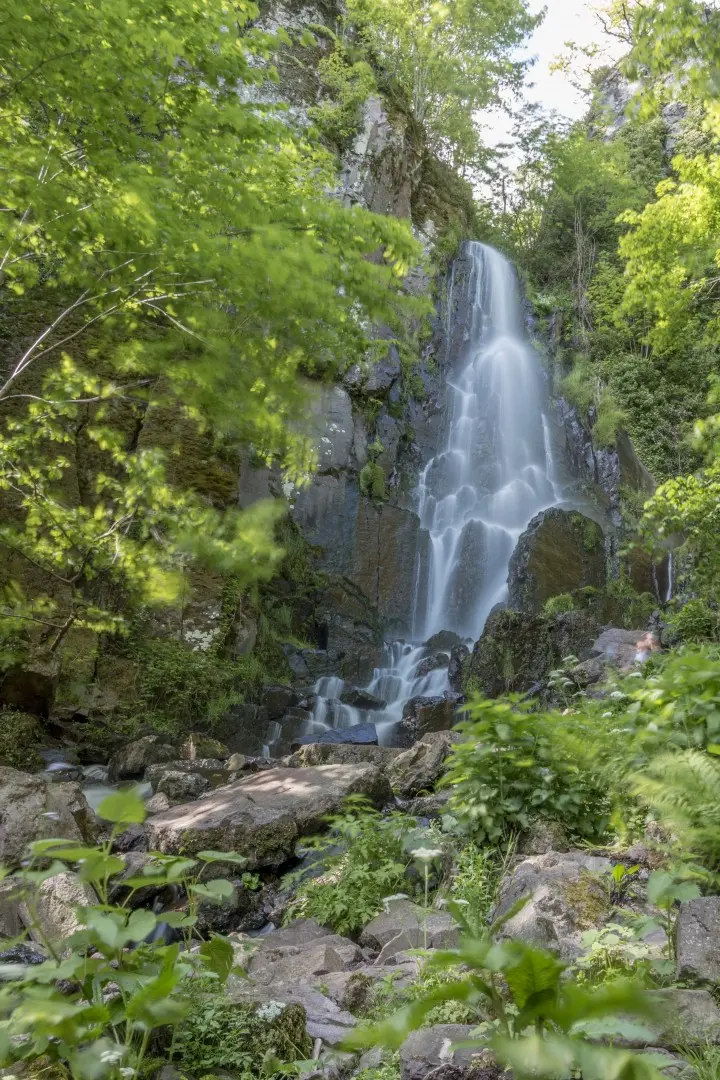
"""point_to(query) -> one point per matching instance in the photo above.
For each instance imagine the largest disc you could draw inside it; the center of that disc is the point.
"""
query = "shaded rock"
(31, 808)
(428, 806)
(561, 550)
(277, 699)
(431, 663)
(565, 899)
(262, 815)
(182, 786)
(443, 641)
(278, 964)
(22, 953)
(341, 754)
(418, 768)
(309, 665)
(244, 910)
(429, 1048)
(132, 760)
(11, 925)
(422, 715)
(588, 673)
(358, 734)
(331, 426)
(198, 747)
(30, 687)
(383, 373)
(361, 699)
(95, 774)
(52, 916)
(618, 647)
(324, 1019)
(542, 837)
(405, 925)
(211, 769)
(458, 657)
(353, 990)
(698, 940)
(243, 729)
(691, 1017)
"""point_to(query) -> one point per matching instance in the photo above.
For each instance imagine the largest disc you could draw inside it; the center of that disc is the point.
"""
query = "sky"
(566, 20)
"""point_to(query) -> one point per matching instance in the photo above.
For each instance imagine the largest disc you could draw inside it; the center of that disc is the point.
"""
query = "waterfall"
(494, 473)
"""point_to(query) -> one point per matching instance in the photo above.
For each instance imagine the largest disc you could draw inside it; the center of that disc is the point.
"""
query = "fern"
(684, 791)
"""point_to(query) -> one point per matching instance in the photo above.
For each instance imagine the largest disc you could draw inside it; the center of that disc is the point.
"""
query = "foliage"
(20, 738)
(188, 260)
(372, 474)
(118, 991)
(511, 765)
(474, 880)
(220, 1034)
(683, 790)
(558, 605)
(445, 62)
(695, 622)
(369, 866)
(543, 1029)
(346, 86)
(613, 952)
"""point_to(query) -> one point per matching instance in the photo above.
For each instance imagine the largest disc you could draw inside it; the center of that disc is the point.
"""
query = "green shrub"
(512, 765)
(677, 703)
(557, 605)
(372, 481)
(369, 866)
(696, 622)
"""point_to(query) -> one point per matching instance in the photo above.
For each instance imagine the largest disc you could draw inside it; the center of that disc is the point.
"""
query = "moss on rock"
(559, 552)
(21, 735)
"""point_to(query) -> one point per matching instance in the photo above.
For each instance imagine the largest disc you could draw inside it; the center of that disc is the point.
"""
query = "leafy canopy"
(168, 248)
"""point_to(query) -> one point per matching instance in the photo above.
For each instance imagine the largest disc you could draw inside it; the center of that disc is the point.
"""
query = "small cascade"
(494, 473)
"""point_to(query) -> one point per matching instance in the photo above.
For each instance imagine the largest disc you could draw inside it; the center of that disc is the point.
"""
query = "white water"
(495, 472)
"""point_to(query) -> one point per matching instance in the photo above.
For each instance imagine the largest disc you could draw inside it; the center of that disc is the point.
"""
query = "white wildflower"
(424, 854)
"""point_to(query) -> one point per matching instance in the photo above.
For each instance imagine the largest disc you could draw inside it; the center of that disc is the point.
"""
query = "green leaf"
(535, 973)
(218, 956)
(222, 856)
(124, 807)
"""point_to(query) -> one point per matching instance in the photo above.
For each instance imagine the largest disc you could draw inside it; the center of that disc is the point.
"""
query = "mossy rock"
(197, 747)
(560, 551)
(21, 735)
(518, 650)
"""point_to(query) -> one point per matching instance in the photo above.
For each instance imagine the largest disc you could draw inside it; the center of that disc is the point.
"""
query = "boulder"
(358, 734)
(31, 808)
(432, 663)
(698, 940)
(618, 647)
(132, 760)
(243, 728)
(565, 898)
(182, 786)
(458, 657)
(244, 910)
(518, 650)
(276, 699)
(418, 768)
(361, 699)
(52, 913)
(30, 686)
(324, 1019)
(426, 714)
(561, 550)
(353, 990)
(691, 1017)
(342, 754)
(285, 958)
(543, 836)
(443, 641)
(262, 815)
(405, 925)
(212, 770)
(428, 1049)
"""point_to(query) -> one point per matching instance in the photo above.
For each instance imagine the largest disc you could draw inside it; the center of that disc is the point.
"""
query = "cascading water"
(495, 472)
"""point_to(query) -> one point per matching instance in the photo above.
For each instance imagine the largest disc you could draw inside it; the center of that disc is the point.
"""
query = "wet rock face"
(423, 715)
(561, 550)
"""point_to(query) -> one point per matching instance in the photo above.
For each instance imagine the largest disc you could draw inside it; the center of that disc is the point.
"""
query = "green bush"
(558, 605)
(372, 481)
(696, 622)
(512, 765)
(677, 704)
(369, 866)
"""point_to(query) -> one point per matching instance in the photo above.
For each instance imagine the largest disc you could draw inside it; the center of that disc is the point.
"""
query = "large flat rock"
(262, 815)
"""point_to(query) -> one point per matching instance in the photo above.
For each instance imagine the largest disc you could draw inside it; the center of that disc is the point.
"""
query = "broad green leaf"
(218, 956)
(124, 807)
